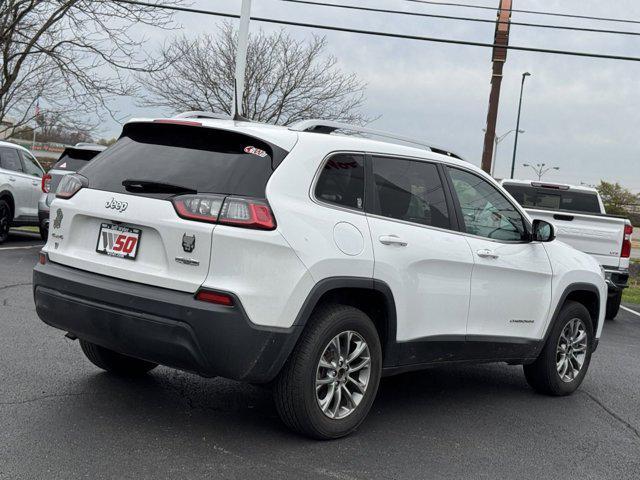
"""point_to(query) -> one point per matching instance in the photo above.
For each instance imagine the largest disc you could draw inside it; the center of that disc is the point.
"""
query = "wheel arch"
(373, 297)
(586, 294)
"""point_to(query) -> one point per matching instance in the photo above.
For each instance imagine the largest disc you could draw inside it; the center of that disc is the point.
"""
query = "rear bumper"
(617, 280)
(160, 325)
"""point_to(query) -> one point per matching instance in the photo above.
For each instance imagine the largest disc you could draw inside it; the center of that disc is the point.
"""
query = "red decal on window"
(255, 151)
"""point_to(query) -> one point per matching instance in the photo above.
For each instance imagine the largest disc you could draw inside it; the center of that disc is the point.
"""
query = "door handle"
(486, 253)
(392, 240)
(12, 179)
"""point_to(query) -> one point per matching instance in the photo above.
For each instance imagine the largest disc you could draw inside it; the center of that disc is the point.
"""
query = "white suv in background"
(312, 262)
(20, 183)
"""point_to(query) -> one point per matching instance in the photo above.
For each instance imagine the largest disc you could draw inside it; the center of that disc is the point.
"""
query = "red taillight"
(626, 241)
(46, 183)
(236, 211)
(215, 297)
(42, 258)
(248, 213)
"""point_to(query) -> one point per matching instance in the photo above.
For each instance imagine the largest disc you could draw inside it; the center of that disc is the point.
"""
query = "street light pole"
(515, 142)
(496, 141)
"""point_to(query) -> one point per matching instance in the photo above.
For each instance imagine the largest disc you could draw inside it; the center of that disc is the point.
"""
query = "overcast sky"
(580, 114)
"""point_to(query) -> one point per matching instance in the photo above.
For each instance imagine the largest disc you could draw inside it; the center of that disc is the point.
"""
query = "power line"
(533, 12)
(385, 34)
(469, 19)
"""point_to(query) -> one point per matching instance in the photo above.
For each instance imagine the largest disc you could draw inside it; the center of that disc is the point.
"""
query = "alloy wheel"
(342, 375)
(572, 350)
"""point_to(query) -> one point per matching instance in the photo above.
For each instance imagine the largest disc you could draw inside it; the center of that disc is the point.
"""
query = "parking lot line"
(629, 310)
(22, 248)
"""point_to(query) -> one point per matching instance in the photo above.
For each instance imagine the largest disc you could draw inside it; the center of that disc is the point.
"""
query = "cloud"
(578, 113)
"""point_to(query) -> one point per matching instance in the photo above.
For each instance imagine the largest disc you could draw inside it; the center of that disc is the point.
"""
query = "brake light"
(70, 185)
(248, 213)
(626, 241)
(215, 297)
(235, 211)
(46, 183)
(203, 208)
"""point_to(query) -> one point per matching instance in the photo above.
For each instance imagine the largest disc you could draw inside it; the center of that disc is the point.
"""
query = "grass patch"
(632, 294)
(28, 229)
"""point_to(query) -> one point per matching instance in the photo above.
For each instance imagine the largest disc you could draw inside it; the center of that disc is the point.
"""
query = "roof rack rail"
(328, 126)
(203, 114)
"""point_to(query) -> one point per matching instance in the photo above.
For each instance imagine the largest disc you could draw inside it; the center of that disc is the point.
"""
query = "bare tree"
(71, 55)
(286, 79)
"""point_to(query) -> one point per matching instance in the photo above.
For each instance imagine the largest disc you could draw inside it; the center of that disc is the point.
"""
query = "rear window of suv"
(206, 160)
(554, 199)
(73, 159)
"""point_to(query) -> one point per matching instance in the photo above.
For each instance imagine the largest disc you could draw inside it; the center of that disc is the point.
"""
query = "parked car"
(311, 262)
(20, 178)
(71, 160)
(581, 221)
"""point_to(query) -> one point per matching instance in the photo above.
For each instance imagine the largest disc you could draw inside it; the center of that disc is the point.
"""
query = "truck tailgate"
(598, 235)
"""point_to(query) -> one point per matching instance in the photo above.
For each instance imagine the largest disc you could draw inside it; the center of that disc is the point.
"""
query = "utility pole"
(241, 58)
(501, 40)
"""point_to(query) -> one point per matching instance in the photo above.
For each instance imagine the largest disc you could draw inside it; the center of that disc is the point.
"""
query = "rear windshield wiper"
(149, 186)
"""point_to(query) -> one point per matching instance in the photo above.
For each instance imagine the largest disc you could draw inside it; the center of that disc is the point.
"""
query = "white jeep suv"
(312, 262)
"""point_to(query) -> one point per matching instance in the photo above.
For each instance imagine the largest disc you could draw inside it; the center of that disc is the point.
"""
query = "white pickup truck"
(581, 221)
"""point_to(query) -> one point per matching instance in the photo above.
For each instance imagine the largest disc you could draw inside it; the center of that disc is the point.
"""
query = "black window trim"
(458, 208)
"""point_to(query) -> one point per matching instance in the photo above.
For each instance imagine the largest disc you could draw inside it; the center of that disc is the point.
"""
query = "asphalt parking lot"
(63, 418)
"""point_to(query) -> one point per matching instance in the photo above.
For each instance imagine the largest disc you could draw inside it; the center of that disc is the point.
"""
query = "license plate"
(118, 241)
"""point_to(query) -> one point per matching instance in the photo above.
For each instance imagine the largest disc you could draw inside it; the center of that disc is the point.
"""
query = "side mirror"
(543, 231)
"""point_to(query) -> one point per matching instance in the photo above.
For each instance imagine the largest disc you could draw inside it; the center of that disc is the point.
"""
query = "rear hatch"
(577, 217)
(71, 160)
(130, 188)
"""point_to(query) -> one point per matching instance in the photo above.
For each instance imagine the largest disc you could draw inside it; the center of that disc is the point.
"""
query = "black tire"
(295, 387)
(543, 374)
(6, 218)
(44, 233)
(613, 306)
(115, 362)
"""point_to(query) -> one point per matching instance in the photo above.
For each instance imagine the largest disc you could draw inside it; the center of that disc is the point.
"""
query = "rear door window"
(202, 159)
(9, 159)
(409, 190)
